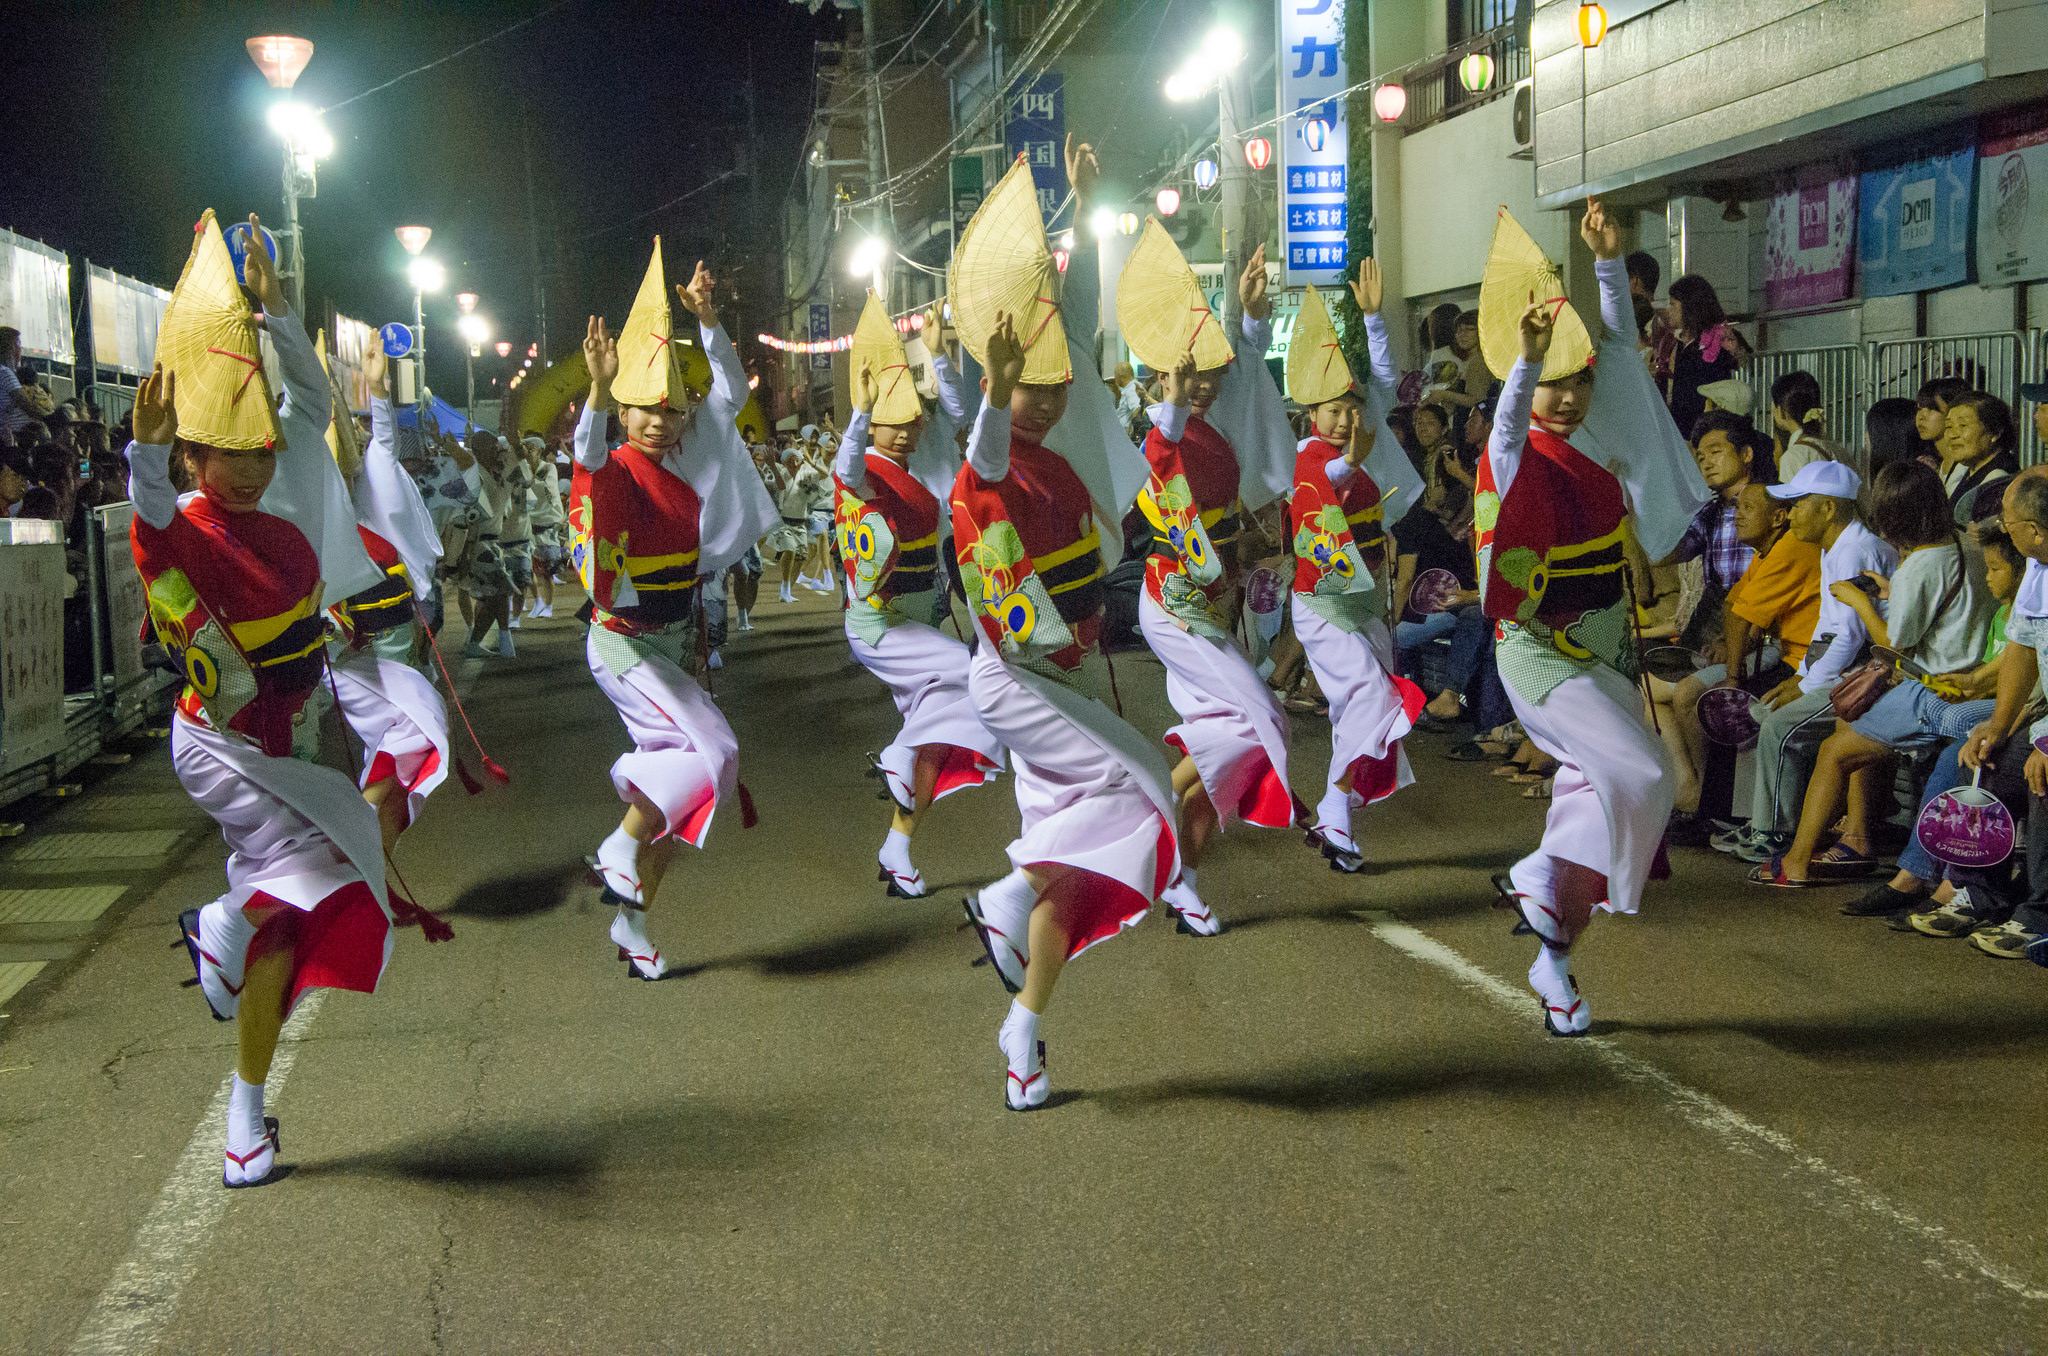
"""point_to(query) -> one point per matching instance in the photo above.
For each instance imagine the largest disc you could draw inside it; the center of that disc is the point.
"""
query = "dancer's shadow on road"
(1943, 1035)
(1353, 1084)
(818, 959)
(523, 894)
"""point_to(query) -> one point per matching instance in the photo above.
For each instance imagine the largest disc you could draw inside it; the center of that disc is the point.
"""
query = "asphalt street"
(1338, 1126)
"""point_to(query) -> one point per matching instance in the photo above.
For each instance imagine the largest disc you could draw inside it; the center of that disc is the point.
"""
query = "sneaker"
(1960, 917)
(1729, 839)
(2008, 941)
(1761, 847)
(1882, 901)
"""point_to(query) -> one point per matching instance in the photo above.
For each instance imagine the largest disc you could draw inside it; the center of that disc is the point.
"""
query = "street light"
(1103, 223)
(281, 58)
(475, 330)
(1214, 66)
(426, 276)
(467, 301)
(1219, 53)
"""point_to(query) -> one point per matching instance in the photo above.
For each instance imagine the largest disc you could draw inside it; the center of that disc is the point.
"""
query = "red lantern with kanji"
(1258, 153)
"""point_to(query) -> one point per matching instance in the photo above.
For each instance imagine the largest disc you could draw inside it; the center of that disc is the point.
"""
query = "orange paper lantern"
(1592, 24)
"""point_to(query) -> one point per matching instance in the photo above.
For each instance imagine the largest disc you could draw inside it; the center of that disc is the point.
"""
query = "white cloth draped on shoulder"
(1251, 415)
(685, 758)
(388, 502)
(926, 674)
(398, 714)
(1231, 723)
(1370, 711)
(1092, 792)
(307, 491)
(712, 458)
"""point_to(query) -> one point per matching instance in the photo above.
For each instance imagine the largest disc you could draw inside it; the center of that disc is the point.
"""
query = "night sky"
(125, 121)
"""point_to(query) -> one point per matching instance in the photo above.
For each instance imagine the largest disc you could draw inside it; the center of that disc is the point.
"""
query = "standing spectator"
(1130, 398)
(544, 512)
(1659, 342)
(1798, 417)
(515, 538)
(1703, 353)
(1448, 482)
(14, 411)
(1978, 452)
(1891, 433)
(1455, 375)
(1936, 395)
(2036, 394)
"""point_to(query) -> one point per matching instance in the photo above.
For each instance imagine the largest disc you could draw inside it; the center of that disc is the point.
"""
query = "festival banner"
(35, 296)
(1913, 231)
(1807, 238)
(125, 313)
(2012, 223)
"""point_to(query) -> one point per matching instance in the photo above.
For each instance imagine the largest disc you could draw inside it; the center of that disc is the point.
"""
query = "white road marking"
(140, 1301)
(1735, 1129)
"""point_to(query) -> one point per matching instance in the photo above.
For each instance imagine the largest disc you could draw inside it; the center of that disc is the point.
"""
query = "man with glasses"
(2017, 729)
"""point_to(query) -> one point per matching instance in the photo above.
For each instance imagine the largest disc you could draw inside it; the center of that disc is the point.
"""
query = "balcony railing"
(1436, 89)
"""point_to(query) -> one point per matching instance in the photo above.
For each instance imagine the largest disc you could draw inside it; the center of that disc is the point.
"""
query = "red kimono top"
(235, 597)
(1027, 543)
(636, 542)
(902, 558)
(1194, 481)
(1325, 518)
(382, 606)
(1551, 551)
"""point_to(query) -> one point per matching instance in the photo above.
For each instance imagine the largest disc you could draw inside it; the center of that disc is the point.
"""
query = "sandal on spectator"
(1772, 872)
(1883, 901)
(1841, 862)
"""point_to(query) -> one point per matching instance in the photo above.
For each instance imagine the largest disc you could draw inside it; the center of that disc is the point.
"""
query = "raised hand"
(865, 389)
(934, 323)
(601, 356)
(1005, 360)
(1368, 289)
(1082, 169)
(696, 297)
(376, 367)
(260, 273)
(1251, 288)
(1601, 232)
(1538, 323)
(156, 409)
(1180, 380)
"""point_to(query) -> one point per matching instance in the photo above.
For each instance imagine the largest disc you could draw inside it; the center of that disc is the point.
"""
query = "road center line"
(1704, 1111)
(142, 1298)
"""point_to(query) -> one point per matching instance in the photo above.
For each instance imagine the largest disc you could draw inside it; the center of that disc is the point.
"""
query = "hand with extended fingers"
(1179, 382)
(1251, 287)
(1082, 168)
(696, 297)
(1601, 232)
(376, 368)
(156, 409)
(1538, 323)
(865, 389)
(260, 273)
(1368, 289)
(601, 356)
(1005, 360)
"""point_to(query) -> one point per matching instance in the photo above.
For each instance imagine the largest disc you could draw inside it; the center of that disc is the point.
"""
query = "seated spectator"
(1799, 418)
(1987, 897)
(17, 476)
(1891, 433)
(1935, 396)
(1424, 543)
(1824, 512)
(1937, 614)
(1703, 353)
(1721, 447)
(1978, 451)
(1766, 626)
(14, 401)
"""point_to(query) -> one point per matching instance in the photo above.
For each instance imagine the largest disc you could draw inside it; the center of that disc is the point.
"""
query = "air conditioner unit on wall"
(1524, 121)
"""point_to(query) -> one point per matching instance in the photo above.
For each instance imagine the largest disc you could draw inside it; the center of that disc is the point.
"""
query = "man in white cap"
(1823, 497)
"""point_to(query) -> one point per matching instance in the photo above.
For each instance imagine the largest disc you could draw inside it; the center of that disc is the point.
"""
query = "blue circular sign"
(397, 339)
(237, 238)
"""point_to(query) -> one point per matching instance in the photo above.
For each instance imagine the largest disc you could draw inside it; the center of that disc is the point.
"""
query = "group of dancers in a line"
(238, 574)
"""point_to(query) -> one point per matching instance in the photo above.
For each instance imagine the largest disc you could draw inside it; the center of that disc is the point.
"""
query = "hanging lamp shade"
(650, 363)
(877, 343)
(1258, 152)
(1003, 265)
(1518, 271)
(1390, 102)
(1316, 370)
(208, 338)
(1161, 310)
(280, 57)
(1592, 20)
(1475, 73)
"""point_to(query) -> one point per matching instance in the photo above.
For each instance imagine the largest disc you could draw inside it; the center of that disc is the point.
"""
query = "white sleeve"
(952, 388)
(1338, 470)
(1617, 311)
(1511, 423)
(1380, 382)
(988, 447)
(1258, 334)
(149, 483)
(1170, 419)
(305, 381)
(851, 465)
(591, 453)
(728, 377)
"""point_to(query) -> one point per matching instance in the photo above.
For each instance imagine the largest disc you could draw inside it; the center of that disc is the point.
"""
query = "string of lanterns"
(904, 325)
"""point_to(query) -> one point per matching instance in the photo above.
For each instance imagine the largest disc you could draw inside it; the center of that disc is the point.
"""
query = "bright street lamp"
(426, 275)
(1103, 223)
(475, 330)
(1219, 53)
(867, 256)
(306, 142)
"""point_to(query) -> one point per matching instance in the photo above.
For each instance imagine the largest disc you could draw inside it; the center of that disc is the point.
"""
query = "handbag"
(1859, 689)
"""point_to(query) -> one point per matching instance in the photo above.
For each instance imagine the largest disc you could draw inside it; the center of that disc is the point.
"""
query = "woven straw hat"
(1518, 273)
(208, 337)
(1003, 265)
(650, 364)
(1316, 370)
(1161, 310)
(876, 343)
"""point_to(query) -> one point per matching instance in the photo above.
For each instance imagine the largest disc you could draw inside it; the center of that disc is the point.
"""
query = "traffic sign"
(237, 238)
(397, 339)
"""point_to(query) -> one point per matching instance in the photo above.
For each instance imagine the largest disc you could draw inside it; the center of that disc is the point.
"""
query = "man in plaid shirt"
(1724, 446)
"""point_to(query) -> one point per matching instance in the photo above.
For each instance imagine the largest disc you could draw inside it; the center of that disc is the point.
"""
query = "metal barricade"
(1843, 373)
(1992, 361)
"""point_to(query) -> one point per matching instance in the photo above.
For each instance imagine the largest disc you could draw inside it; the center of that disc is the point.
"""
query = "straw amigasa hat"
(1517, 273)
(1003, 265)
(1316, 370)
(876, 343)
(208, 338)
(1161, 310)
(650, 364)
(342, 442)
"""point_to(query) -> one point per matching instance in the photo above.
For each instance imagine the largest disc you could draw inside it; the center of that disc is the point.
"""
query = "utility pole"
(873, 80)
(1232, 104)
(540, 291)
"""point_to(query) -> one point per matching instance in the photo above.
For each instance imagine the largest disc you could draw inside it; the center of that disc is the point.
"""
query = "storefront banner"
(32, 581)
(2012, 219)
(1807, 245)
(1313, 168)
(1913, 232)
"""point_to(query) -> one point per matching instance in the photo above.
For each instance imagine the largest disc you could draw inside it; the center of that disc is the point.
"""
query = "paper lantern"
(1205, 175)
(414, 238)
(1390, 102)
(1592, 24)
(1059, 257)
(1127, 224)
(1168, 201)
(1258, 152)
(1315, 133)
(280, 58)
(1475, 73)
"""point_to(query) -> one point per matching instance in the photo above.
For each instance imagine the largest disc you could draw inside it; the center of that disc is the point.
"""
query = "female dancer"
(679, 501)
(1233, 732)
(887, 529)
(1097, 844)
(1346, 478)
(1550, 521)
(235, 574)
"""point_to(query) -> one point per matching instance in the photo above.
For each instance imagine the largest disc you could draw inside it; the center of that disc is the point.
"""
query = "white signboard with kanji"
(1312, 142)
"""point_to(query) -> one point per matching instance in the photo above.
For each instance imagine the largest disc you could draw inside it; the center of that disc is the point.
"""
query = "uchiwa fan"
(876, 343)
(1161, 310)
(1002, 265)
(208, 338)
(650, 363)
(1518, 273)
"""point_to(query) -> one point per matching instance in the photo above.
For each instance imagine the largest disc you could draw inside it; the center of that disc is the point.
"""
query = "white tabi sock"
(1021, 1021)
(245, 1116)
(1181, 893)
(505, 644)
(1334, 811)
(632, 922)
(618, 860)
(1551, 973)
(895, 854)
(1007, 905)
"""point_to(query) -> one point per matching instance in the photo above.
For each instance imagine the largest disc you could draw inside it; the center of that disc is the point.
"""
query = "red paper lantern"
(1258, 153)
(1390, 102)
(1592, 24)
(1060, 257)
(1168, 201)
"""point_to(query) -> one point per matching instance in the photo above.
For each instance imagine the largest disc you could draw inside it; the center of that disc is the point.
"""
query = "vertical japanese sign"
(968, 186)
(1808, 260)
(1035, 127)
(1313, 149)
(2012, 224)
(821, 329)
